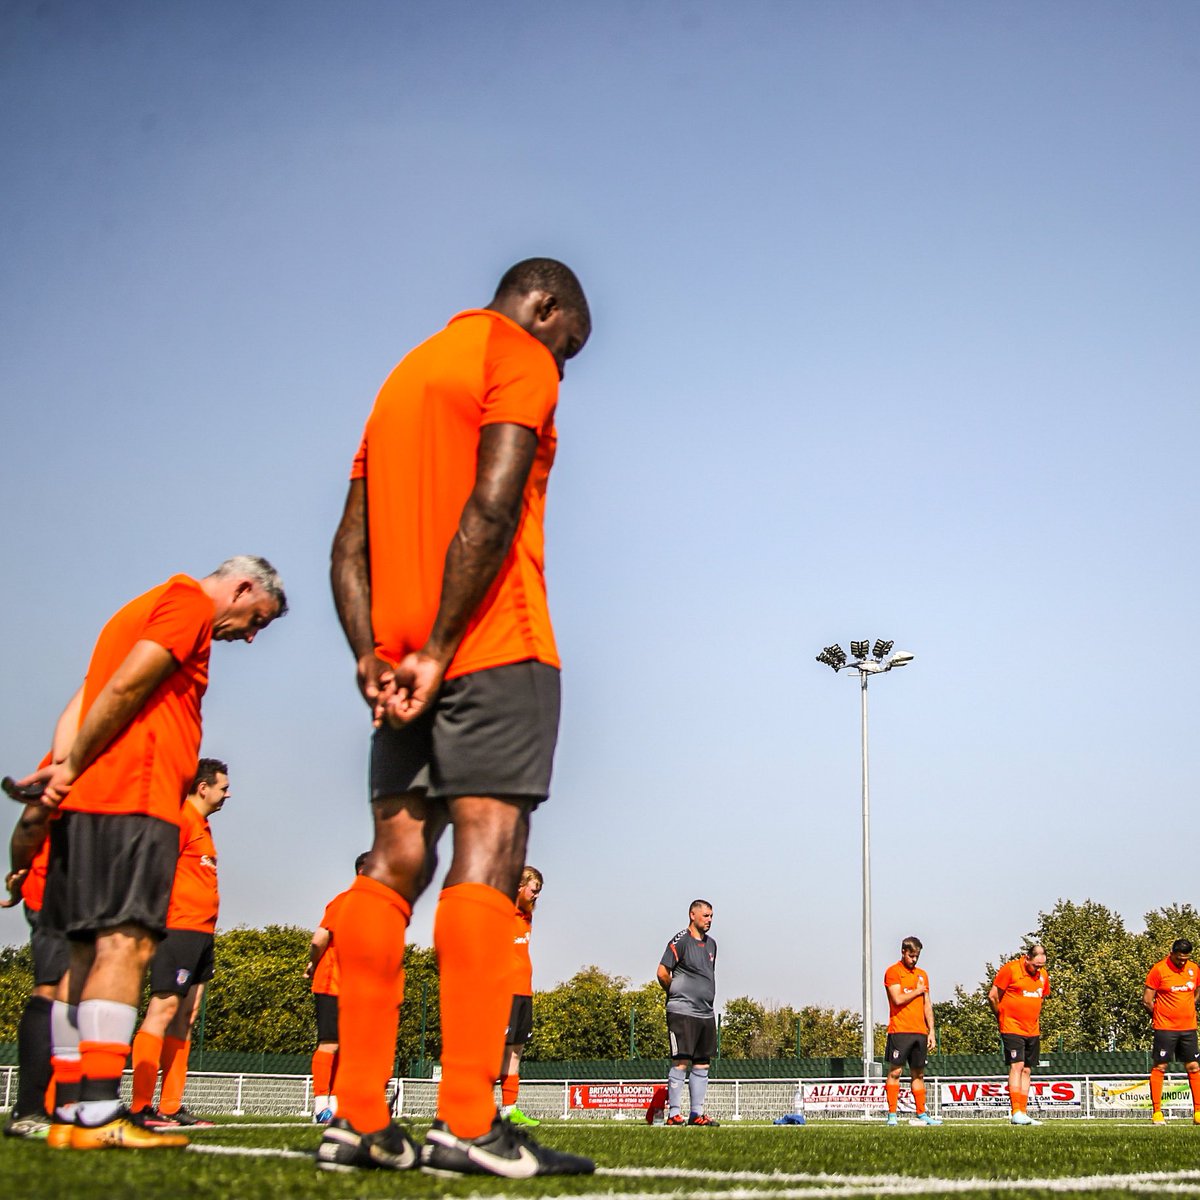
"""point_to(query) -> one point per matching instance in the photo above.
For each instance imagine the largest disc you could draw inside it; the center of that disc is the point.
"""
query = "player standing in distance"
(29, 851)
(910, 1035)
(1170, 997)
(132, 733)
(438, 577)
(688, 974)
(322, 969)
(520, 1018)
(1016, 997)
(183, 961)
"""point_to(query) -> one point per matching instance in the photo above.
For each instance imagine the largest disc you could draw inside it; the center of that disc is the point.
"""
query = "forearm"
(67, 727)
(350, 573)
(27, 837)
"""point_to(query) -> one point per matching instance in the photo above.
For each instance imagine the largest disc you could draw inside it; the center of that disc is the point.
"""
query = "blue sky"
(895, 336)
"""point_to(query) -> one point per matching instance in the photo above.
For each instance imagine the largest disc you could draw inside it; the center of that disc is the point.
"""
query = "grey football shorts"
(489, 733)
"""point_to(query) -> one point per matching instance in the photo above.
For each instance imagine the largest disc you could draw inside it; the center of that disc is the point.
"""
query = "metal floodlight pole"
(868, 1040)
(884, 660)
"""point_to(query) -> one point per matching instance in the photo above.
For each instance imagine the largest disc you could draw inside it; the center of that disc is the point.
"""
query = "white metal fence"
(1053, 1097)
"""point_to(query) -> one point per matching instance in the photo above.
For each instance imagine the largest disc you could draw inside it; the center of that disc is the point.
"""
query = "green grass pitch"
(261, 1160)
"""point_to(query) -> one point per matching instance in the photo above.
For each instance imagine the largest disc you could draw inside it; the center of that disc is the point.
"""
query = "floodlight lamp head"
(829, 656)
(901, 659)
(882, 648)
(859, 649)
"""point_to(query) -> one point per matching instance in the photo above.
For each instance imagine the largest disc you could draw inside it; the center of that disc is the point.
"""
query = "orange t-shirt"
(327, 978)
(34, 886)
(149, 766)
(195, 897)
(910, 1017)
(522, 932)
(1021, 996)
(1175, 998)
(418, 457)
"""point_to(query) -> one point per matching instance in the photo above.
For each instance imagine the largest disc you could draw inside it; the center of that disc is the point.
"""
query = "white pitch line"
(1176, 1182)
(250, 1152)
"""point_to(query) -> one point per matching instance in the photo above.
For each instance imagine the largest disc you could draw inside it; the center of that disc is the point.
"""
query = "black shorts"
(183, 957)
(1018, 1049)
(906, 1049)
(51, 950)
(489, 733)
(327, 1016)
(1177, 1044)
(692, 1037)
(520, 1022)
(109, 869)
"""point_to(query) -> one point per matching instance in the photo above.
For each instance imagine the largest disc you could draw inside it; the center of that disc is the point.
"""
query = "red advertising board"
(611, 1095)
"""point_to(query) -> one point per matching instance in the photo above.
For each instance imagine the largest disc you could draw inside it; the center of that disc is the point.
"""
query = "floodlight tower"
(879, 659)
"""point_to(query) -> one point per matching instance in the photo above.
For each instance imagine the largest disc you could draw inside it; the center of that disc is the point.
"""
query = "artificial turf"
(856, 1158)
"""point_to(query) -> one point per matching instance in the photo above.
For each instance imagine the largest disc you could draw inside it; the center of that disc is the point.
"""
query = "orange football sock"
(1194, 1084)
(68, 1077)
(147, 1050)
(322, 1072)
(892, 1088)
(918, 1091)
(1156, 1086)
(510, 1085)
(102, 1065)
(1021, 1101)
(472, 934)
(174, 1068)
(370, 944)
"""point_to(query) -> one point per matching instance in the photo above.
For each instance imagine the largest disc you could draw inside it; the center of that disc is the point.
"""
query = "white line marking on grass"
(256, 1125)
(250, 1151)
(1184, 1183)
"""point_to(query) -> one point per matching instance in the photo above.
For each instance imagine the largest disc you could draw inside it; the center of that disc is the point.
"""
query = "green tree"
(649, 1006)
(420, 980)
(966, 1024)
(741, 1027)
(830, 1033)
(1163, 926)
(1095, 979)
(581, 1018)
(259, 999)
(16, 982)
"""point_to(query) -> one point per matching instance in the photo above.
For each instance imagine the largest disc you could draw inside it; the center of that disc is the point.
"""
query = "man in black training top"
(687, 973)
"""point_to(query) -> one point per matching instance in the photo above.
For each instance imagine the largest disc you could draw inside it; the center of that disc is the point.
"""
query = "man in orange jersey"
(132, 738)
(520, 1018)
(910, 1035)
(29, 850)
(322, 970)
(1016, 997)
(438, 577)
(1170, 997)
(183, 961)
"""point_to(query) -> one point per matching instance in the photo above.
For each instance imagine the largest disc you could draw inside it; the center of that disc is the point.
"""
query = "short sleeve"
(180, 620)
(670, 958)
(891, 975)
(1154, 979)
(521, 385)
(1003, 978)
(358, 468)
(1045, 986)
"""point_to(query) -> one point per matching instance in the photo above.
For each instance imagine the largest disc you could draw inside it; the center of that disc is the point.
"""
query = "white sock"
(64, 1043)
(104, 1021)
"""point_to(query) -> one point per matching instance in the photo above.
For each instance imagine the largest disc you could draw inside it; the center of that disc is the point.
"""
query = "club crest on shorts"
(182, 976)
